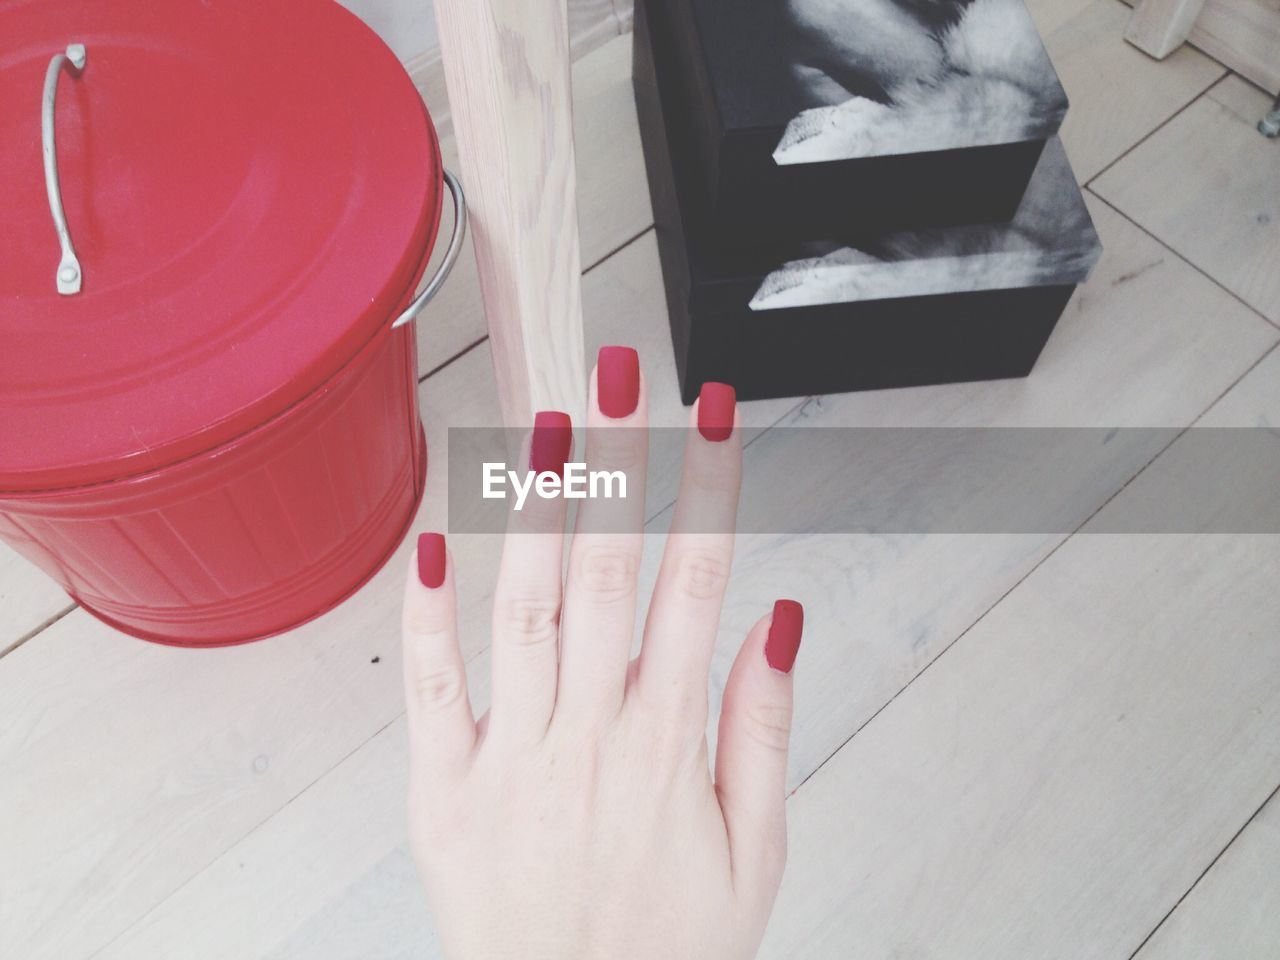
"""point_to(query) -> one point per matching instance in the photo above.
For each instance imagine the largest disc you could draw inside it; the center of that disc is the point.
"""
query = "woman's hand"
(579, 818)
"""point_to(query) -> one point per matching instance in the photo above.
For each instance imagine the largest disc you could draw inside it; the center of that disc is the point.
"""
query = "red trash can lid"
(251, 188)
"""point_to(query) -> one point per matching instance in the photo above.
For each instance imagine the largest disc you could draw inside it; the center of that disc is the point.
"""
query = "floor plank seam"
(1163, 123)
(963, 633)
(38, 630)
(616, 250)
(1208, 276)
(457, 356)
(1203, 873)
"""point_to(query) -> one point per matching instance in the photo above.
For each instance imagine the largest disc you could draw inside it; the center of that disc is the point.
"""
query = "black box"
(903, 308)
(812, 115)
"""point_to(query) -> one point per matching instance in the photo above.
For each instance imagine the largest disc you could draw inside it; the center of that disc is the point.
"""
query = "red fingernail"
(784, 635)
(715, 411)
(618, 381)
(552, 440)
(431, 559)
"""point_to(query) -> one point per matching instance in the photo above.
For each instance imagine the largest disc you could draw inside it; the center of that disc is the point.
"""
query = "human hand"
(579, 820)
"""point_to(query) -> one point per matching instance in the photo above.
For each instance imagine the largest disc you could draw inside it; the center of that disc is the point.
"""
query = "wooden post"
(506, 65)
(1159, 27)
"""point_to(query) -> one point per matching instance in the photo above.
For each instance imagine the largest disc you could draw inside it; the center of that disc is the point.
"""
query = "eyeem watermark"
(578, 483)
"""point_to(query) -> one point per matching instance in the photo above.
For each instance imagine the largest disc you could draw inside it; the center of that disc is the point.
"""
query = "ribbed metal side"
(252, 538)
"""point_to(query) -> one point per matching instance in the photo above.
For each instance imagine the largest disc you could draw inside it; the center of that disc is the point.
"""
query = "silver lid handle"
(68, 275)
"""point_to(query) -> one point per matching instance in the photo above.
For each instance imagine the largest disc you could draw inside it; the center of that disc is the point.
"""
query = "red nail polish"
(431, 559)
(784, 635)
(716, 403)
(551, 443)
(618, 381)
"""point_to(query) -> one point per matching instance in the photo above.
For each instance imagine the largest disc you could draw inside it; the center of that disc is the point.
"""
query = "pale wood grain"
(1206, 185)
(1062, 776)
(1118, 95)
(1051, 14)
(592, 23)
(880, 608)
(1057, 781)
(613, 204)
(1159, 27)
(507, 71)
(1234, 911)
(1243, 34)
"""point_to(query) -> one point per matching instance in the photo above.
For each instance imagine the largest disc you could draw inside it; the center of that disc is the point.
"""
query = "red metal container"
(208, 418)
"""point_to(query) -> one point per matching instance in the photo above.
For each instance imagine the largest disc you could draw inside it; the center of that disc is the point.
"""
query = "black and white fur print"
(886, 77)
(1051, 240)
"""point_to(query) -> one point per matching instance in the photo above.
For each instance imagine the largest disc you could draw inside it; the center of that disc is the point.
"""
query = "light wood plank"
(28, 599)
(1159, 27)
(1244, 35)
(1051, 14)
(507, 69)
(880, 608)
(1234, 911)
(1117, 94)
(591, 24)
(1206, 185)
(614, 206)
(1057, 781)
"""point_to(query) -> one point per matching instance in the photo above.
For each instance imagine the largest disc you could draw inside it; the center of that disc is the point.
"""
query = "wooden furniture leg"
(506, 65)
(1159, 27)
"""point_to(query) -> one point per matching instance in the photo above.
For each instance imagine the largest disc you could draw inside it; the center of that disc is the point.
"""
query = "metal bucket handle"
(69, 274)
(450, 254)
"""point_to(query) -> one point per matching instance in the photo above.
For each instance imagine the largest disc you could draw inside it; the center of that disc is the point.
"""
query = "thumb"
(751, 752)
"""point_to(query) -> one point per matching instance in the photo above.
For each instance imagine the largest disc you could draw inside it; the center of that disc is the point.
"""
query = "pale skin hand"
(579, 819)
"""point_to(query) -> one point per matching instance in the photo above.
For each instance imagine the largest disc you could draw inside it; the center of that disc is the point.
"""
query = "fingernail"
(431, 559)
(552, 440)
(715, 411)
(784, 635)
(618, 381)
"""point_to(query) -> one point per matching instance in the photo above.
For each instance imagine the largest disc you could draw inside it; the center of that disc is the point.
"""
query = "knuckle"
(683, 730)
(608, 572)
(701, 574)
(422, 623)
(438, 689)
(530, 622)
(716, 473)
(769, 726)
(620, 449)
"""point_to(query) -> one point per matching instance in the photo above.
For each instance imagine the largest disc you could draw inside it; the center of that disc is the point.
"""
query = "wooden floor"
(1015, 747)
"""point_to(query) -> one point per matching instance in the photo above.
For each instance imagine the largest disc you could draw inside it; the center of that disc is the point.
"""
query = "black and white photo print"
(848, 79)
(901, 76)
(1050, 241)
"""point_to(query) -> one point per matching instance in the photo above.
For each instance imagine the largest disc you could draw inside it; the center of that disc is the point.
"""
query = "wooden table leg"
(1159, 27)
(506, 66)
